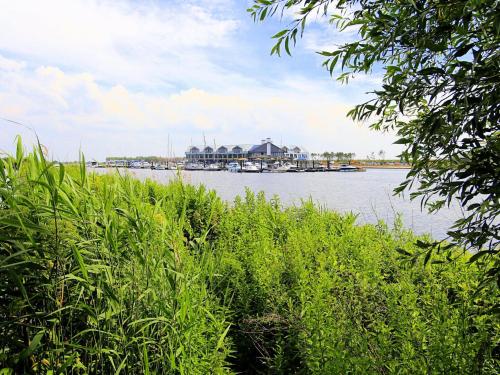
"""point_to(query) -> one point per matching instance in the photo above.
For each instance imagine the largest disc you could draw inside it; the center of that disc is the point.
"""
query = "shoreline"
(383, 166)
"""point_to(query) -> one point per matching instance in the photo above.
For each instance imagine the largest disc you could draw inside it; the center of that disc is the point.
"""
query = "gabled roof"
(244, 147)
(291, 147)
(263, 148)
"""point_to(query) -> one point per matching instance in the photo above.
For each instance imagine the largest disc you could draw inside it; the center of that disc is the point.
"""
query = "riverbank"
(383, 166)
(106, 274)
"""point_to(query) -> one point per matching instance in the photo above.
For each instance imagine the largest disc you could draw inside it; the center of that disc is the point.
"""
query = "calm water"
(368, 194)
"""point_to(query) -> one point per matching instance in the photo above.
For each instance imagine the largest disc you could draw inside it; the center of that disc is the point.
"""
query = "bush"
(106, 274)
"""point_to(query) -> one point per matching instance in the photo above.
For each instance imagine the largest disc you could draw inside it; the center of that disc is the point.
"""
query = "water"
(368, 194)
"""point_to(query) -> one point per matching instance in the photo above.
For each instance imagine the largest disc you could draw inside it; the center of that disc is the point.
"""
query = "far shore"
(382, 166)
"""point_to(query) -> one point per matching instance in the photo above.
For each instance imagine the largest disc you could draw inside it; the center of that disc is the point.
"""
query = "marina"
(265, 157)
(241, 166)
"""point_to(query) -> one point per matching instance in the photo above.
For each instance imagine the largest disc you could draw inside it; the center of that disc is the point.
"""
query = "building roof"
(263, 148)
(244, 147)
(291, 147)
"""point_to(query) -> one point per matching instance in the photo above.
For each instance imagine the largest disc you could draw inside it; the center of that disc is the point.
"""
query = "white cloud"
(10, 65)
(118, 41)
(114, 120)
(118, 77)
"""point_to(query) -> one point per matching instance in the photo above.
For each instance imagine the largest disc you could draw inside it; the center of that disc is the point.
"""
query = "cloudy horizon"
(120, 78)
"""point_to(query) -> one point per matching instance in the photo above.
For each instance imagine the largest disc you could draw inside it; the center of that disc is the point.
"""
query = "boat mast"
(168, 147)
(204, 149)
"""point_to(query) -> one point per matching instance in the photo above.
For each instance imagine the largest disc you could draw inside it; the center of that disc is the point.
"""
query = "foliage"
(106, 274)
(440, 92)
(97, 275)
(339, 156)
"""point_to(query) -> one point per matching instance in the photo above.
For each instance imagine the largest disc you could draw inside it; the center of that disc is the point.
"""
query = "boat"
(294, 168)
(194, 167)
(347, 168)
(213, 167)
(250, 167)
(146, 165)
(282, 168)
(233, 167)
(160, 167)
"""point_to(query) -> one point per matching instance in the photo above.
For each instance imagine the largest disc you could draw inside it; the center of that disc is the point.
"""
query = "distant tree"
(440, 94)
(381, 155)
(328, 155)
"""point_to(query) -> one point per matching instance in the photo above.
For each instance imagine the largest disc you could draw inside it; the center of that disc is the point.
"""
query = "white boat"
(287, 167)
(160, 167)
(250, 167)
(347, 168)
(213, 167)
(233, 167)
(294, 168)
(194, 167)
(145, 164)
(282, 168)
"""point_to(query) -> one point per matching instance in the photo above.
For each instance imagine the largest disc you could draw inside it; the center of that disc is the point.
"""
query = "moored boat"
(213, 167)
(233, 167)
(250, 167)
(349, 168)
(194, 167)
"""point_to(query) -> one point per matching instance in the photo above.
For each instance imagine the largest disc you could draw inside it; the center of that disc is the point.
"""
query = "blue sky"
(120, 77)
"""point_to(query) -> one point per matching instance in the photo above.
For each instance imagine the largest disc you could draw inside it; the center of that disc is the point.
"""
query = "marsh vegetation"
(108, 274)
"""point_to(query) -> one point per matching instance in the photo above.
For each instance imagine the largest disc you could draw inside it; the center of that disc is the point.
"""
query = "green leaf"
(287, 49)
(280, 34)
(220, 342)
(403, 251)
(403, 141)
(35, 343)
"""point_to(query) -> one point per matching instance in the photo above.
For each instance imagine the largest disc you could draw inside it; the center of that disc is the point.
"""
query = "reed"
(105, 274)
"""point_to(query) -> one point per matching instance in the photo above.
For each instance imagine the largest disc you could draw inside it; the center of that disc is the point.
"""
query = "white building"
(295, 152)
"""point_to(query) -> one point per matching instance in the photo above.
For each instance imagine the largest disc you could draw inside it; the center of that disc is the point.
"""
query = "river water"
(368, 194)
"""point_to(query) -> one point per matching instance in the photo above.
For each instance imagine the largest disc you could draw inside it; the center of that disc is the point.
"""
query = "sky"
(122, 77)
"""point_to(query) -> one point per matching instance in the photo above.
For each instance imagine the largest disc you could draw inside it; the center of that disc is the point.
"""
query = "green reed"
(107, 274)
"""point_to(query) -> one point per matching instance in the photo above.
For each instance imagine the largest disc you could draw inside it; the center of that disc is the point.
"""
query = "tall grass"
(106, 274)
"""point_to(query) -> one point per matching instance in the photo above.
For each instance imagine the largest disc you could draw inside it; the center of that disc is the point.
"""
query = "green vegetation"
(440, 61)
(106, 274)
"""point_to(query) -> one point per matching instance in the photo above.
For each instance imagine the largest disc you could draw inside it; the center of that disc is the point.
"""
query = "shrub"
(107, 274)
